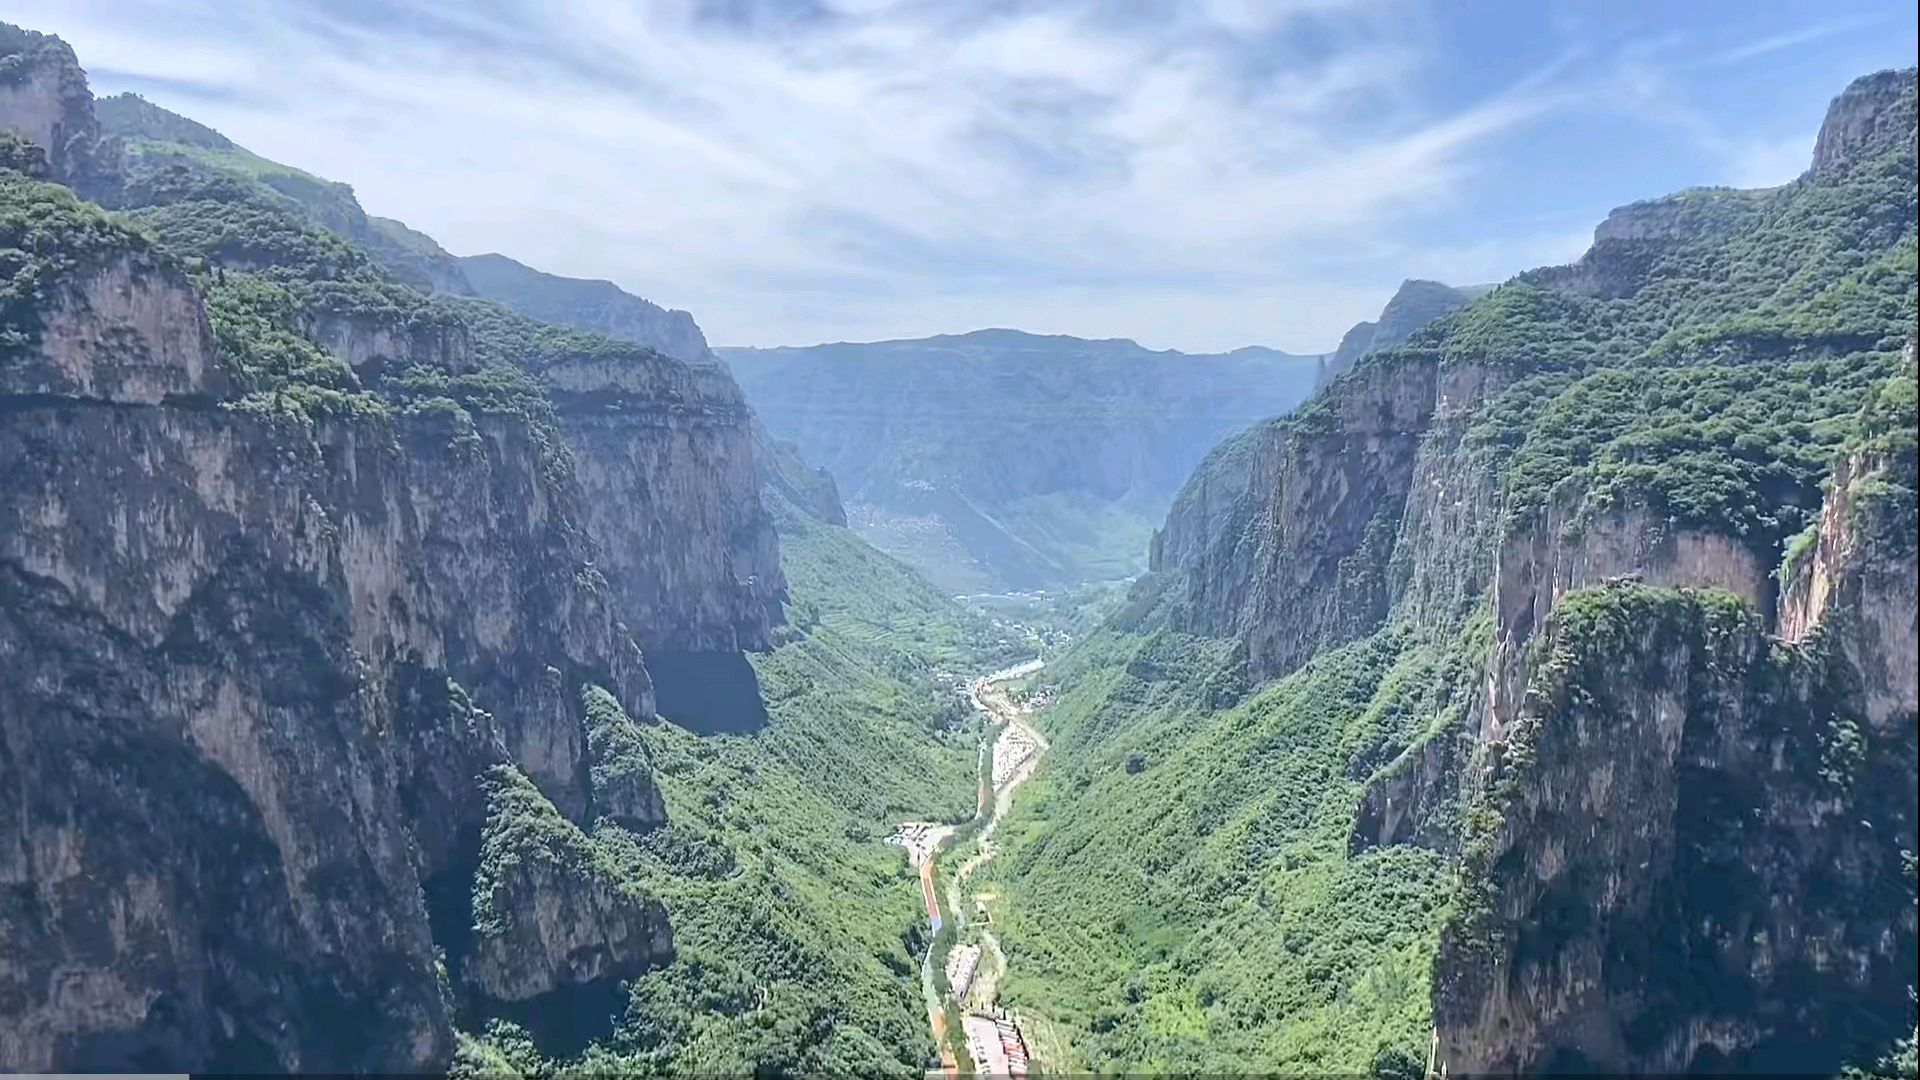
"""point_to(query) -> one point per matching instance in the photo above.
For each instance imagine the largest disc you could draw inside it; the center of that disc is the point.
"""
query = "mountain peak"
(44, 99)
(1872, 110)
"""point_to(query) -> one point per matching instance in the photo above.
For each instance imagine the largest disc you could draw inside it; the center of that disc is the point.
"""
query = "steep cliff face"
(1853, 581)
(209, 863)
(503, 572)
(1694, 858)
(1677, 784)
(663, 451)
(1208, 502)
(1868, 113)
(1218, 490)
(547, 912)
(291, 556)
(126, 328)
(1543, 562)
(1361, 503)
(809, 487)
(44, 99)
(1339, 480)
(370, 343)
(664, 456)
(227, 599)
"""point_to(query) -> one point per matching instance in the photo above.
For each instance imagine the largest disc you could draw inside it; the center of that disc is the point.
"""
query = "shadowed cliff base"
(564, 1021)
(707, 692)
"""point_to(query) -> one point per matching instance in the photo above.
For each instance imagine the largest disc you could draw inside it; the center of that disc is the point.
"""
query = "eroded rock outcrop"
(1855, 582)
(547, 913)
(1694, 855)
(44, 100)
(1308, 569)
(1211, 503)
(1628, 244)
(809, 487)
(1541, 563)
(1866, 114)
(370, 344)
(1411, 308)
(126, 328)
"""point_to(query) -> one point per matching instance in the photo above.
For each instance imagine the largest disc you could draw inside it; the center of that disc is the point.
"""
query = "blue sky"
(1200, 174)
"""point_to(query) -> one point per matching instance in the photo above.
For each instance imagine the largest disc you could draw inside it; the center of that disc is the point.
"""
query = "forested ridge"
(380, 482)
(1243, 860)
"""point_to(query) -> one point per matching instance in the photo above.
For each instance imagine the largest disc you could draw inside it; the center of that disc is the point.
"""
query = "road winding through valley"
(1016, 752)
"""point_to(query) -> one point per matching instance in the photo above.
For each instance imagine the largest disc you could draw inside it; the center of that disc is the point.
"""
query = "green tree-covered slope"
(1242, 852)
(798, 931)
(795, 929)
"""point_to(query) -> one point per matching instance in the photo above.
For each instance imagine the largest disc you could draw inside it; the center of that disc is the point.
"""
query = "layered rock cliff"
(1677, 785)
(1694, 859)
(44, 98)
(319, 595)
(1210, 495)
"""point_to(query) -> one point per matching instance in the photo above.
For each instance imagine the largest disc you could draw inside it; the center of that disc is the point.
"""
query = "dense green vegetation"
(1717, 386)
(328, 275)
(797, 930)
(871, 599)
(274, 281)
(503, 335)
(46, 235)
(168, 158)
(1180, 890)
(1182, 893)
(21, 156)
(523, 829)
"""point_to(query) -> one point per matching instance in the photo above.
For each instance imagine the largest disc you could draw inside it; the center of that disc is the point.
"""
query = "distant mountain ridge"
(1010, 338)
(596, 305)
(1000, 458)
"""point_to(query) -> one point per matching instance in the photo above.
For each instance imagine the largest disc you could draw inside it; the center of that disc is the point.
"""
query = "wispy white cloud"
(1792, 39)
(797, 170)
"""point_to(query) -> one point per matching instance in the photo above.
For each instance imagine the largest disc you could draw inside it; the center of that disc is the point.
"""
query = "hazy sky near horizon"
(1201, 174)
